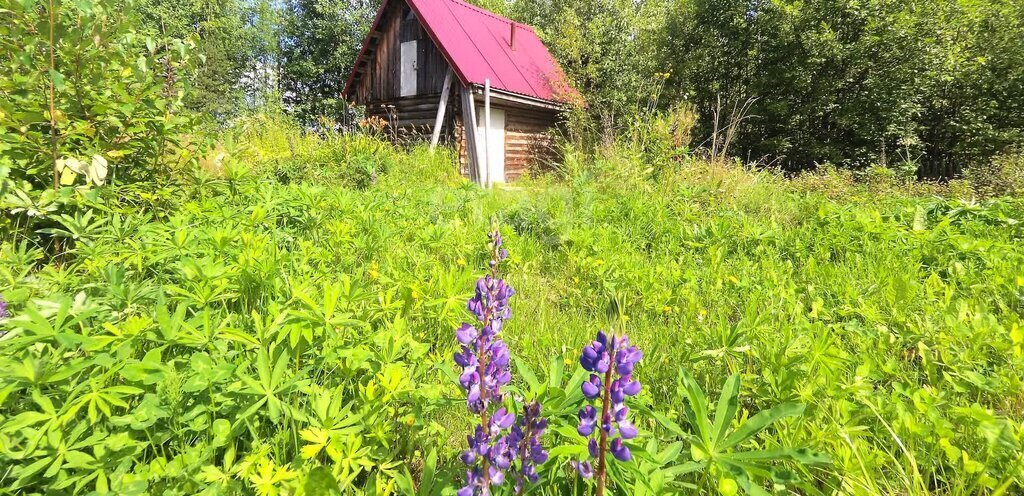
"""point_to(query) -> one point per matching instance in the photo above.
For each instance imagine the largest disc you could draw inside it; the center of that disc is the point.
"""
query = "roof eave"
(520, 98)
(346, 93)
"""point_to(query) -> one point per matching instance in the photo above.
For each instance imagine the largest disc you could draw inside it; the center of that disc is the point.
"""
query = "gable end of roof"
(477, 45)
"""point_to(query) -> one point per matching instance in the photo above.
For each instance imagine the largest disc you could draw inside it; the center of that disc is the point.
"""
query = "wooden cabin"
(449, 71)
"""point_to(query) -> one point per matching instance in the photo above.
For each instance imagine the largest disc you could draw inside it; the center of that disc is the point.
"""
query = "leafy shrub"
(716, 445)
(528, 220)
(284, 151)
(90, 84)
(838, 183)
(670, 134)
(1002, 176)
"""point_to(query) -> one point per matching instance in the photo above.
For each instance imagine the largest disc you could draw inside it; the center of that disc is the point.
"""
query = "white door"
(496, 137)
(409, 68)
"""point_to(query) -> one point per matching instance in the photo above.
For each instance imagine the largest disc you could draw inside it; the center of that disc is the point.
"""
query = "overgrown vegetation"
(255, 308)
(931, 84)
(85, 80)
(243, 331)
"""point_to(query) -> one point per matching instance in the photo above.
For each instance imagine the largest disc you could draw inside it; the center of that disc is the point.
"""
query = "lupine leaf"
(555, 370)
(697, 406)
(758, 422)
(527, 374)
(669, 424)
(728, 402)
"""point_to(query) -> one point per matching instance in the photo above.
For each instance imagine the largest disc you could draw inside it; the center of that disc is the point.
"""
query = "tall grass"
(895, 318)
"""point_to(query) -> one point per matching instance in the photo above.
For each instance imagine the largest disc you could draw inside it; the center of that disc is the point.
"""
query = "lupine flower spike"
(484, 360)
(4, 312)
(526, 437)
(606, 422)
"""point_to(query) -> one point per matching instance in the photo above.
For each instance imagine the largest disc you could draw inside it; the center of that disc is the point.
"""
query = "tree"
(236, 40)
(926, 84)
(318, 45)
(975, 104)
(605, 47)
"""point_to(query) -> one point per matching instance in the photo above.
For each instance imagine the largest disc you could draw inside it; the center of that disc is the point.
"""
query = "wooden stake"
(441, 107)
(469, 127)
(487, 133)
(53, 97)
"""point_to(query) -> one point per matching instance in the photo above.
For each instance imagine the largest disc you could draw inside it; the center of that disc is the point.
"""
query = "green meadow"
(280, 319)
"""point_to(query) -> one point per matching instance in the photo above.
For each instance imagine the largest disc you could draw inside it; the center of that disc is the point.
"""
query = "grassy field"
(286, 317)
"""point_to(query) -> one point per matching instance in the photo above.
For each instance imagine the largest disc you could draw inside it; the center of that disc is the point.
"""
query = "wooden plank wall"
(529, 146)
(528, 143)
(381, 81)
(408, 118)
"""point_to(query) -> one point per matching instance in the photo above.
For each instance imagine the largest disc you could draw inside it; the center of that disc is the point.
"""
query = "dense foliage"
(237, 42)
(235, 333)
(84, 80)
(930, 86)
(933, 84)
(257, 309)
(319, 43)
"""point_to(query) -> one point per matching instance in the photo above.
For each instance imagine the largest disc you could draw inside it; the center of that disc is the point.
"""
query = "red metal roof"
(478, 46)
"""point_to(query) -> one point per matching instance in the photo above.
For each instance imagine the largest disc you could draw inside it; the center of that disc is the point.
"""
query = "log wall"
(412, 118)
(529, 145)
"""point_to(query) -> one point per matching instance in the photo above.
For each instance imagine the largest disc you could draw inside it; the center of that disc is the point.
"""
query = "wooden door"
(410, 68)
(496, 140)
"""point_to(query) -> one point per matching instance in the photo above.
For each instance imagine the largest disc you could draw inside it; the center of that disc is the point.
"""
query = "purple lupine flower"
(620, 451)
(607, 424)
(592, 387)
(4, 312)
(584, 468)
(526, 437)
(588, 419)
(484, 359)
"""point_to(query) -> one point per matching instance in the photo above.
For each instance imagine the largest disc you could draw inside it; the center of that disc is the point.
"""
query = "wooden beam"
(487, 134)
(515, 99)
(441, 107)
(469, 127)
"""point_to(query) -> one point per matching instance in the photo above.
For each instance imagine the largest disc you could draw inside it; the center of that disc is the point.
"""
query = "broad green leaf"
(555, 371)
(727, 486)
(670, 424)
(429, 470)
(698, 406)
(527, 374)
(758, 422)
(58, 80)
(321, 482)
(221, 430)
(728, 403)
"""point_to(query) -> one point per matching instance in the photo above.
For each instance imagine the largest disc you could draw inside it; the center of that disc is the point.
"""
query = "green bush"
(1003, 176)
(281, 149)
(89, 84)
